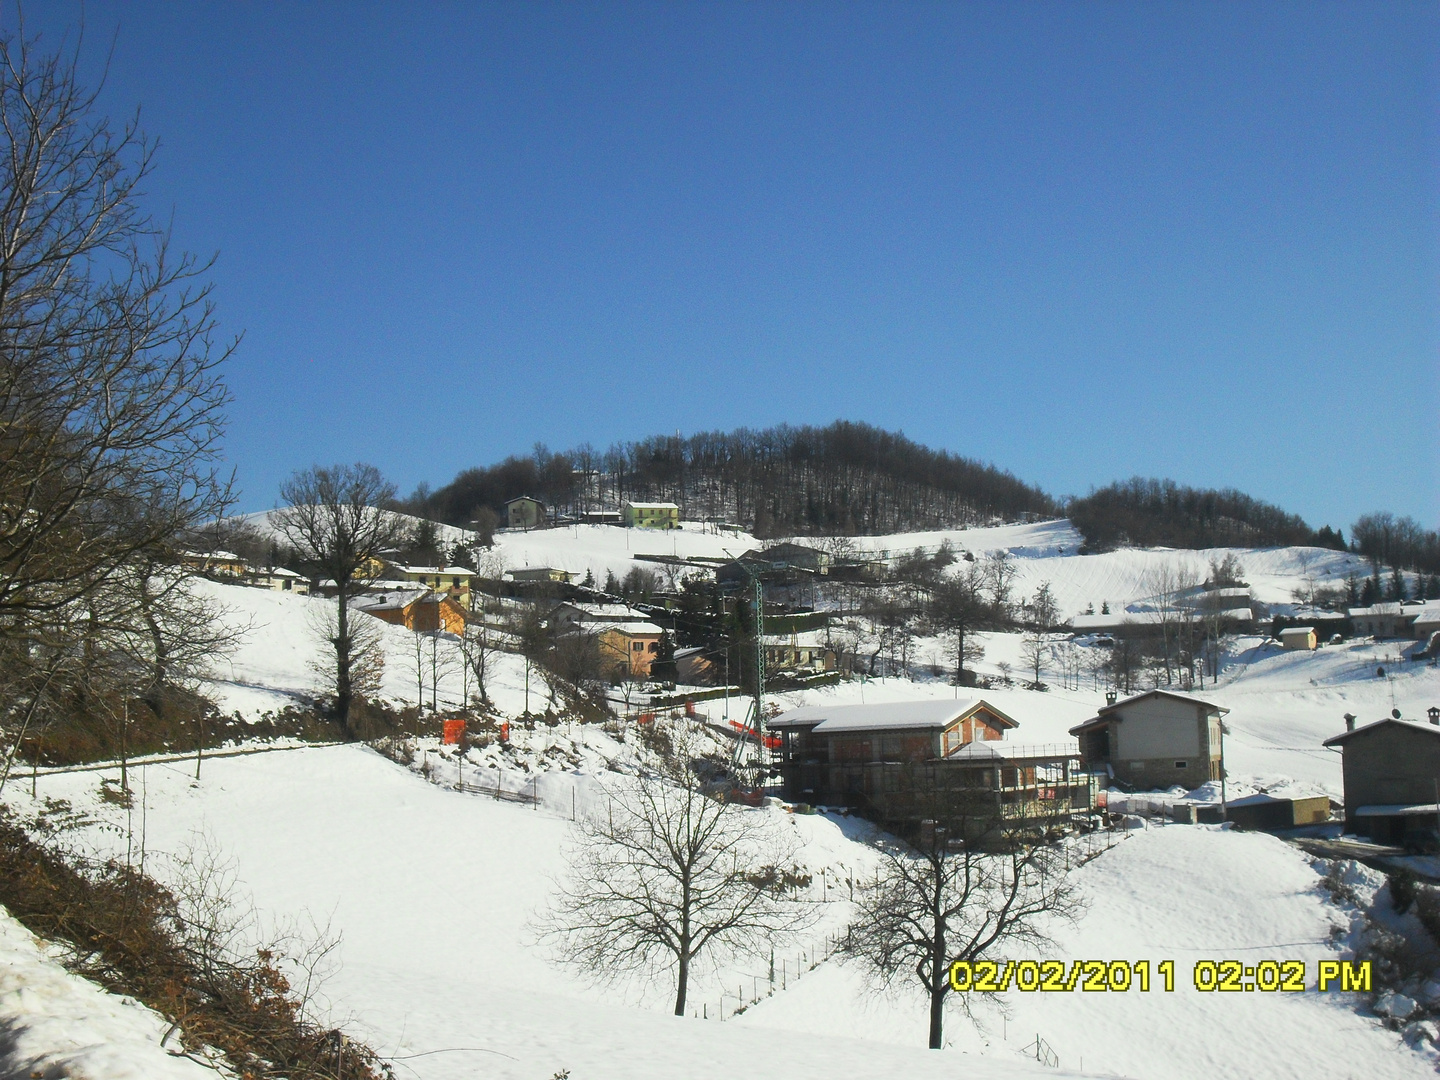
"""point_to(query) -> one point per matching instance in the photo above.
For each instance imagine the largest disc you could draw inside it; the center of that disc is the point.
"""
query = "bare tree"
(668, 877)
(367, 648)
(946, 900)
(111, 405)
(335, 522)
(111, 402)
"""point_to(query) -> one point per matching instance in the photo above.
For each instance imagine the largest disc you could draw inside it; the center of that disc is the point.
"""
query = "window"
(639, 646)
(1181, 764)
(1137, 766)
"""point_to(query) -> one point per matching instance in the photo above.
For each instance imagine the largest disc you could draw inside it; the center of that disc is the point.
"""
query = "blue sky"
(1082, 241)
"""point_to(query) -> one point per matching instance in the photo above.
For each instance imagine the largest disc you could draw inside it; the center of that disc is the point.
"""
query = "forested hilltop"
(854, 479)
(846, 478)
(1161, 513)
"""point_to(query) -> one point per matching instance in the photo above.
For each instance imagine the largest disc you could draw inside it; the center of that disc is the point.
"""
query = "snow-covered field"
(434, 890)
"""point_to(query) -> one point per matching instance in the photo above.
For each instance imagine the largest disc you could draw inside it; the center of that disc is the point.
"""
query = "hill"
(846, 478)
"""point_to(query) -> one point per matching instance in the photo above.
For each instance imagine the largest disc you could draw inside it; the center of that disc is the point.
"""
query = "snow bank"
(55, 1024)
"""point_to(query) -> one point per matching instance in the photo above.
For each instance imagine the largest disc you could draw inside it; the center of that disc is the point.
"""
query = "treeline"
(843, 479)
(1160, 513)
(1399, 542)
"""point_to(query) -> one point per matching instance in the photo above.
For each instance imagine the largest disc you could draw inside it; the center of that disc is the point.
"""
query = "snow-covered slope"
(434, 890)
(55, 1024)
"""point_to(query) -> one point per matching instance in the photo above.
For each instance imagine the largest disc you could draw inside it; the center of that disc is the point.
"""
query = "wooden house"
(1155, 740)
(899, 761)
(419, 609)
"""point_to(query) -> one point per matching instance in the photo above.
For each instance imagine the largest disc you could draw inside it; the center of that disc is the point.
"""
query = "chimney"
(1349, 721)
(1110, 696)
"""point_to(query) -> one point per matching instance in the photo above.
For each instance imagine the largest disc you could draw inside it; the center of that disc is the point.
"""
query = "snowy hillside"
(434, 891)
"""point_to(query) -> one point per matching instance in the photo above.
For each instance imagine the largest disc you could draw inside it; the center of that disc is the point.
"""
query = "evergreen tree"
(1397, 585)
(1370, 591)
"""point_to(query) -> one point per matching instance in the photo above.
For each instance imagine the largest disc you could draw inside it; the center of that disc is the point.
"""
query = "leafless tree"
(947, 900)
(111, 401)
(1173, 585)
(335, 522)
(366, 635)
(111, 405)
(667, 877)
(999, 575)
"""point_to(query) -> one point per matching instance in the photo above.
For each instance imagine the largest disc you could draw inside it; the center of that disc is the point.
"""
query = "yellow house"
(652, 515)
(451, 581)
(215, 563)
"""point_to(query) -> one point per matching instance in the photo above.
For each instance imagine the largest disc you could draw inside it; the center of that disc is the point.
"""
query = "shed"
(1266, 812)
(1297, 638)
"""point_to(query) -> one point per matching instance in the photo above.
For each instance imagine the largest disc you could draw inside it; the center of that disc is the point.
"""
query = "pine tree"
(1397, 585)
(1370, 592)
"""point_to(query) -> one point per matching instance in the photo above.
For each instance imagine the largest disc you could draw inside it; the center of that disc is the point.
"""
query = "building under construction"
(901, 763)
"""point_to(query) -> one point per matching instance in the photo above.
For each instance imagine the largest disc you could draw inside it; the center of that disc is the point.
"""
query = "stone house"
(1155, 740)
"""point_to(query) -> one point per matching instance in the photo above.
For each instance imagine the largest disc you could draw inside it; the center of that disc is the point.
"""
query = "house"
(542, 573)
(1426, 620)
(786, 556)
(223, 564)
(453, 581)
(628, 649)
(278, 579)
(573, 614)
(415, 608)
(651, 515)
(1154, 740)
(790, 652)
(1390, 771)
(1390, 620)
(899, 760)
(523, 512)
(1298, 637)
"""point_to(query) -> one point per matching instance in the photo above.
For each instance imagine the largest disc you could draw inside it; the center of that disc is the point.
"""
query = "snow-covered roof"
(1393, 607)
(937, 714)
(1427, 612)
(999, 750)
(652, 505)
(1162, 693)
(275, 571)
(1296, 631)
(389, 600)
(451, 571)
(1409, 725)
(1261, 798)
(810, 639)
(1396, 809)
(634, 629)
(602, 612)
